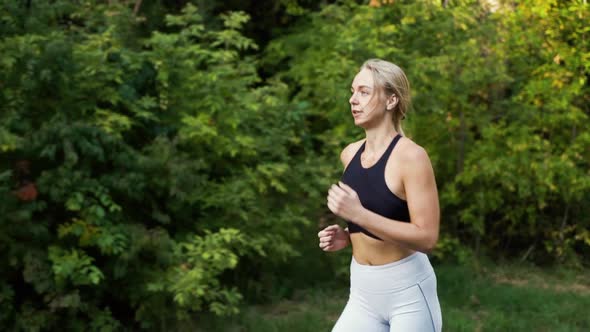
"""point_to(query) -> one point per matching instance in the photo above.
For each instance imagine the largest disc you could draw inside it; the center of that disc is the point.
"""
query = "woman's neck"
(378, 139)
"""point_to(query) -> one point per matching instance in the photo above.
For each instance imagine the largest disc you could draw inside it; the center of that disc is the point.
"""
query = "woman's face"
(365, 104)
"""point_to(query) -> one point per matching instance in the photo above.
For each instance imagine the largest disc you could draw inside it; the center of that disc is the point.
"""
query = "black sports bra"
(369, 183)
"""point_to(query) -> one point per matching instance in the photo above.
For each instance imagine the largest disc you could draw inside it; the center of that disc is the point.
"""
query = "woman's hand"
(344, 202)
(333, 238)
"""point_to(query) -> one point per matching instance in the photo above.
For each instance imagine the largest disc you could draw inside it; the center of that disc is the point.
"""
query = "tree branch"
(136, 7)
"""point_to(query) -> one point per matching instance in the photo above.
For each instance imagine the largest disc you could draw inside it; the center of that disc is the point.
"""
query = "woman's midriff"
(369, 251)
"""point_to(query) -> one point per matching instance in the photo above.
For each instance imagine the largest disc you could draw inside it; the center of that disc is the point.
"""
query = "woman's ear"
(391, 102)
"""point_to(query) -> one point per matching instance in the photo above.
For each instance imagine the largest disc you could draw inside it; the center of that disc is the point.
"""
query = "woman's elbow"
(429, 244)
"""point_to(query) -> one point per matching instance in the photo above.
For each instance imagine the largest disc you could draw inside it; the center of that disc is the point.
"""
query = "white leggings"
(399, 296)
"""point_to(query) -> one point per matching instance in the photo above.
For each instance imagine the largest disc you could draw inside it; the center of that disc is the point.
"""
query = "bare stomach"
(369, 251)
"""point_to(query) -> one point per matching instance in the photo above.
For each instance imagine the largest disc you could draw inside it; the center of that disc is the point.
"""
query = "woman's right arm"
(334, 237)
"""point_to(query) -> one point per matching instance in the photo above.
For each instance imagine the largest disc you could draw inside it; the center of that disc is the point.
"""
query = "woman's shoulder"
(411, 154)
(349, 151)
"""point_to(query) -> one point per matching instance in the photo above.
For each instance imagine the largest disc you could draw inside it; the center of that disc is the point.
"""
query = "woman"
(389, 199)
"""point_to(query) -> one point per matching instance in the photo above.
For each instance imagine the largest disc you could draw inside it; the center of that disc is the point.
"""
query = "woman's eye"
(362, 93)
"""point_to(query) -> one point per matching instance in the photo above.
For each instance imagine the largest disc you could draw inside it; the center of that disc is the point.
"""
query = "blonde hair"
(391, 79)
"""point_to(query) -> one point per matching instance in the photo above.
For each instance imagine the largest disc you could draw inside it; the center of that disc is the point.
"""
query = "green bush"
(159, 166)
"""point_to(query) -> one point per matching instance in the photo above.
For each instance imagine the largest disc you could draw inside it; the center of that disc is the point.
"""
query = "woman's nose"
(353, 100)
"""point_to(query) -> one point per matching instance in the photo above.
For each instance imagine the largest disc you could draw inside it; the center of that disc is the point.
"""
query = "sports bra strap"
(393, 143)
(385, 156)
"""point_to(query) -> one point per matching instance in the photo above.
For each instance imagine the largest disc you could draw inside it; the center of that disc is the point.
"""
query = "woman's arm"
(422, 197)
(334, 237)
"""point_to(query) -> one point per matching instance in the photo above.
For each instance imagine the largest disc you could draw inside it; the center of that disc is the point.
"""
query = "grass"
(491, 298)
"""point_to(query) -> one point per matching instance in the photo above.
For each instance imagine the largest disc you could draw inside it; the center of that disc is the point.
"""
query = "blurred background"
(164, 164)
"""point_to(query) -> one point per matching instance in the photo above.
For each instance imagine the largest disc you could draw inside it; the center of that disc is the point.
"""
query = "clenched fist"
(333, 238)
(344, 202)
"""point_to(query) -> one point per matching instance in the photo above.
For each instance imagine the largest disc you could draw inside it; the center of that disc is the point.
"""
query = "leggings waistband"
(391, 277)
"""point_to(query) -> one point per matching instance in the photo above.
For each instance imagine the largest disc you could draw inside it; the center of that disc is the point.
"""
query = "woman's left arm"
(422, 197)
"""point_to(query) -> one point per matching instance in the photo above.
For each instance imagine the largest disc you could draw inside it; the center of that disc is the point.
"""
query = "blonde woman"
(389, 199)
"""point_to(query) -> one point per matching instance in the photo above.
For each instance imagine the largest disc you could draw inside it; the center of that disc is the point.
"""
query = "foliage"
(151, 177)
(159, 164)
